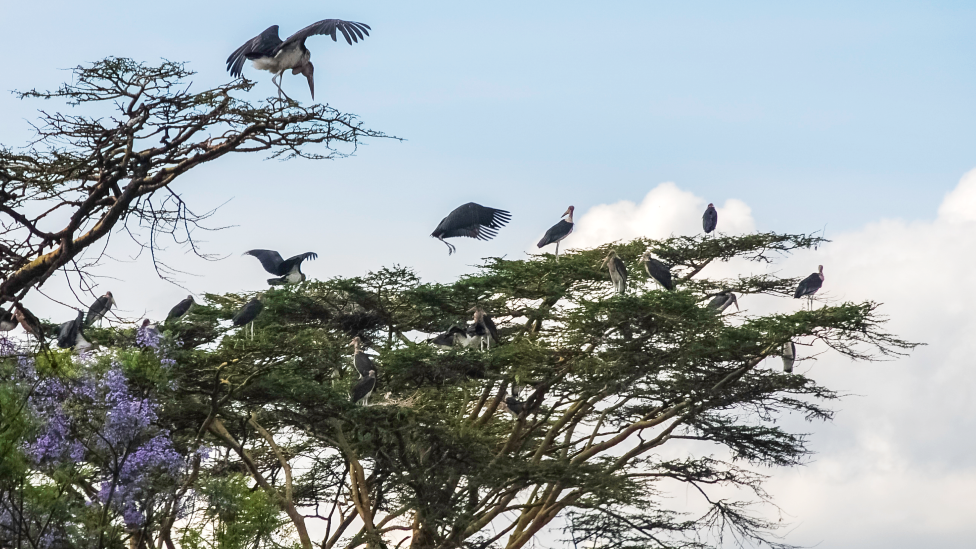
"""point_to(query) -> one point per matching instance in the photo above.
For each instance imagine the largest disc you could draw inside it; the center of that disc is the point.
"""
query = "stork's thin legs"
(557, 250)
(450, 248)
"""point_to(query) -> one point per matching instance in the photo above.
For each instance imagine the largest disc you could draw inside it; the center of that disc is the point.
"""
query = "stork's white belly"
(284, 60)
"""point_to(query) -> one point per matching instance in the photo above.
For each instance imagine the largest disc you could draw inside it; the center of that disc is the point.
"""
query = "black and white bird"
(29, 322)
(181, 308)
(559, 231)
(788, 355)
(710, 219)
(70, 332)
(360, 359)
(513, 405)
(618, 271)
(722, 301)
(809, 285)
(448, 338)
(473, 221)
(7, 321)
(268, 52)
(289, 270)
(99, 309)
(659, 270)
(481, 331)
(248, 313)
(364, 387)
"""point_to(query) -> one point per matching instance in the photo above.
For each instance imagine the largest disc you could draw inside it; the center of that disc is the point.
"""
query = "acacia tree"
(607, 384)
(140, 129)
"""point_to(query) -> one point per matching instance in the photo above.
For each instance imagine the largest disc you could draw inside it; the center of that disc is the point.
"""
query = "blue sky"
(843, 114)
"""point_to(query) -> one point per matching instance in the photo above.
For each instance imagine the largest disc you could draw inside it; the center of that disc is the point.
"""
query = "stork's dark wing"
(710, 220)
(492, 329)
(97, 310)
(363, 364)
(67, 335)
(270, 260)
(248, 313)
(351, 31)
(620, 267)
(660, 271)
(180, 309)
(808, 285)
(473, 221)
(262, 45)
(556, 233)
(290, 263)
(717, 302)
(363, 387)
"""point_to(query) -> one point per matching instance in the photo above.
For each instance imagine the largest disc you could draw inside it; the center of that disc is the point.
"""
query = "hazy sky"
(858, 116)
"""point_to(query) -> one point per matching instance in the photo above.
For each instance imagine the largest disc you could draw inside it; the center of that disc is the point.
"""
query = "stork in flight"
(290, 270)
(559, 231)
(269, 53)
(473, 221)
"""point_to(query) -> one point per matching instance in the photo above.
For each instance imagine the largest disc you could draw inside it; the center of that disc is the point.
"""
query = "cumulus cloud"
(665, 210)
(895, 468)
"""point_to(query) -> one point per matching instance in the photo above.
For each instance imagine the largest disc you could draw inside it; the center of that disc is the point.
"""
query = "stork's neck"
(569, 218)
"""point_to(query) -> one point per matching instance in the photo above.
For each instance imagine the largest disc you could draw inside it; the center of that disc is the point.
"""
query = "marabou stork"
(269, 53)
(789, 355)
(618, 271)
(659, 270)
(7, 321)
(29, 322)
(181, 308)
(513, 405)
(482, 330)
(448, 338)
(473, 221)
(364, 387)
(360, 359)
(809, 285)
(248, 313)
(722, 301)
(290, 270)
(99, 309)
(710, 219)
(69, 334)
(559, 231)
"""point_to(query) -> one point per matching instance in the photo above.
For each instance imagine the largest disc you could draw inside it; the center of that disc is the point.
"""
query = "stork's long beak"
(736, 303)
(308, 70)
(567, 212)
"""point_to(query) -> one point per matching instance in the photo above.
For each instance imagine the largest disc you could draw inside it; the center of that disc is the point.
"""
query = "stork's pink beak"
(307, 70)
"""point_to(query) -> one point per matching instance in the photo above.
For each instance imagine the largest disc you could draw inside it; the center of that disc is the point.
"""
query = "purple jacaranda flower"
(147, 336)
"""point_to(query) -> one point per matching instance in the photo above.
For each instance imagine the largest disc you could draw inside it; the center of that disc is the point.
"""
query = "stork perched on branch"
(659, 271)
(289, 270)
(69, 335)
(710, 219)
(248, 313)
(789, 356)
(448, 338)
(473, 221)
(29, 322)
(482, 330)
(181, 308)
(269, 53)
(722, 301)
(360, 359)
(559, 231)
(618, 271)
(810, 285)
(99, 309)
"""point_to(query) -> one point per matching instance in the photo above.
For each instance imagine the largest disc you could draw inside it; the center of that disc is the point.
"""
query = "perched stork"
(659, 271)
(69, 334)
(473, 221)
(269, 53)
(181, 308)
(360, 359)
(722, 301)
(99, 309)
(364, 387)
(29, 322)
(809, 285)
(559, 231)
(248, 313)
(482, 330)
(710, 219)
(789, 355)
(618, 271)
(448, 338)
(7, 321)
(290, 270)
(513, 405)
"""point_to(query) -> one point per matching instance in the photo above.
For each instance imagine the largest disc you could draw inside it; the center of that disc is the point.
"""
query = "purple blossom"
(147, 336)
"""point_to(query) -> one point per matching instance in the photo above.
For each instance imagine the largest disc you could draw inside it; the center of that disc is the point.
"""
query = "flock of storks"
(268, 52)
